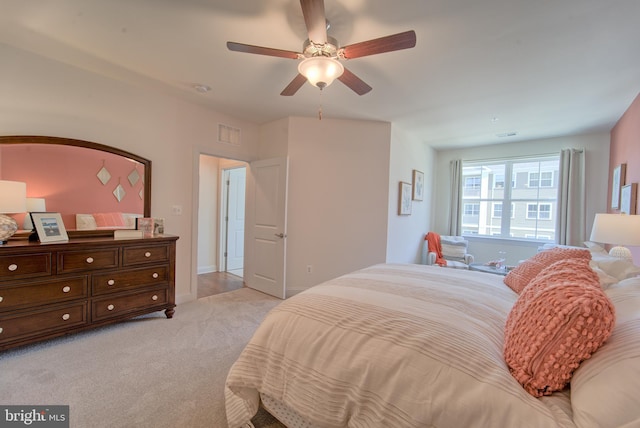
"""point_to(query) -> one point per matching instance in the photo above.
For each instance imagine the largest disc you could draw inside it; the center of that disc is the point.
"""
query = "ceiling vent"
(228, 135)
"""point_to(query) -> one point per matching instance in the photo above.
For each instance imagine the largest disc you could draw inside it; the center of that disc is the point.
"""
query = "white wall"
(597, 175)
(39, 96)
(338, 197)
(208, 214)
(406, 233)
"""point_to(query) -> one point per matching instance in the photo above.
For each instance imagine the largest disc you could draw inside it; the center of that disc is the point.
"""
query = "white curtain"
(571, 218)
(454, 207)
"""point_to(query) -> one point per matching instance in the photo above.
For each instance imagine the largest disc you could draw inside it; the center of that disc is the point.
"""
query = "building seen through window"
(510, 198)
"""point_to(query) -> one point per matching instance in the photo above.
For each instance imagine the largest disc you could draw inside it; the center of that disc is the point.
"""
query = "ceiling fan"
(321, 53)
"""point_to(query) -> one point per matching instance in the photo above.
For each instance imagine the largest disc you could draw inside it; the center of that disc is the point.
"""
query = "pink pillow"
(559, 320)
(109, 219)
(522, 275)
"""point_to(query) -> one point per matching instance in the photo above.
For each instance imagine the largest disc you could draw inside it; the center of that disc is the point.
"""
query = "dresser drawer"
(25, 266)
(145, 254)
(113, 307)
(110, 282)
(39, 323)
(43, 292)
(85, 260)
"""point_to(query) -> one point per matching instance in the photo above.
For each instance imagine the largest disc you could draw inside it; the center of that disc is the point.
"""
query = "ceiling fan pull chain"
(320, 107)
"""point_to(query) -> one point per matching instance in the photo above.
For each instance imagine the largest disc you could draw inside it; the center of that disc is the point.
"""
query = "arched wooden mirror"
(79, 179)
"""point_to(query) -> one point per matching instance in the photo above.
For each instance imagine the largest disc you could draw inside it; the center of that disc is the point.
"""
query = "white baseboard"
(207, 269)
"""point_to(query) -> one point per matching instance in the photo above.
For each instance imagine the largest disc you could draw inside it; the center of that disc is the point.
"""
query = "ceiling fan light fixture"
(320, 71)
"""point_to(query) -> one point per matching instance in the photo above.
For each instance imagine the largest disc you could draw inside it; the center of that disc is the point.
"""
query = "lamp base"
(8, 226)
(621, 253)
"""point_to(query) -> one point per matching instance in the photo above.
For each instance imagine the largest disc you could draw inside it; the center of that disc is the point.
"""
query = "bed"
(398, 345)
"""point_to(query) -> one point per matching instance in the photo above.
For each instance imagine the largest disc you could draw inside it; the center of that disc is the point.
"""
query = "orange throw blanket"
(434, 246)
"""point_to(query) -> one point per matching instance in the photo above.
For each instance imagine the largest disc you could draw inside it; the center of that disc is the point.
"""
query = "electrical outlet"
(177, 210)
(309, 268)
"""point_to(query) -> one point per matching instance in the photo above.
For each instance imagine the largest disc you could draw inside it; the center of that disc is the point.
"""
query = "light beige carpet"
(147, 372)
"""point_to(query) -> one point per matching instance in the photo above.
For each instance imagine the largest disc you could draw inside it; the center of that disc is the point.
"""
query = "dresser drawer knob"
(89, 259)
(111, 307)
(13, 267)
(147, 254)
(155, 275)
(66, 289)
(154, 297)
(66, 317)
(1, 330)
(111, 282)
(1, 299)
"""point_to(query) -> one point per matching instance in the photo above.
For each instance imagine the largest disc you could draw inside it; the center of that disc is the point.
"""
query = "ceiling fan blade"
(315, 20)
(391, 43)
(356, 84)
(293, 87)
(241, 47)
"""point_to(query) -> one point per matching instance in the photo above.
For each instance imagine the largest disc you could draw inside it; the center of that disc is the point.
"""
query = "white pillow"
(614, 266)
(595, 248)
(605, 279)
(605, 388)
(85, 222)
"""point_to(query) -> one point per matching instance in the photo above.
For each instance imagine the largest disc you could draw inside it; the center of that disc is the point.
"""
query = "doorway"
(220, 240)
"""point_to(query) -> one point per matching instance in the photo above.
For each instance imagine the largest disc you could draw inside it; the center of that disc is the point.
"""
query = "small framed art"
(418, 185)
(617, 181)
(404, 203)
(628, 198)
(49, 227)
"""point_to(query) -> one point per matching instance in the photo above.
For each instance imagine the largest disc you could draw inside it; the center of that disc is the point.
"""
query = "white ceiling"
(541, 68)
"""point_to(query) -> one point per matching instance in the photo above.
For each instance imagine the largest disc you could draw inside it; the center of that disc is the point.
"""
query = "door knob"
(280, 235)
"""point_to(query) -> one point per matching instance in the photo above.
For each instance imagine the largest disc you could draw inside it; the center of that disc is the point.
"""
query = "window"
(472, 183)
(539, 211)
(471, 209)
(541, 179)
(494, 206)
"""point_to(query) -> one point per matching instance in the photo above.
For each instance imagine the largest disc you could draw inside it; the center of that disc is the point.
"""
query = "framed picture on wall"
(418, 185)
(49, 227)
(404, 203)
(628, 198)
(616, 184)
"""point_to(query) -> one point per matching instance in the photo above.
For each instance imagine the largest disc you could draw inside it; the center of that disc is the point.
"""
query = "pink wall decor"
(625, 148)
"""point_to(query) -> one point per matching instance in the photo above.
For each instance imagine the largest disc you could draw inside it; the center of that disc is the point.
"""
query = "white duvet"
(391, 346)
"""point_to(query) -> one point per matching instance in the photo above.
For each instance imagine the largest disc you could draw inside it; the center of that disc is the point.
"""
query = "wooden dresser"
(49, 290)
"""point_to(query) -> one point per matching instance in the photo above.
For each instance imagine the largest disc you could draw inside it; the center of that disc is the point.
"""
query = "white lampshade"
(34, 205)
(13, 197)
(321, 71)
(617, 229)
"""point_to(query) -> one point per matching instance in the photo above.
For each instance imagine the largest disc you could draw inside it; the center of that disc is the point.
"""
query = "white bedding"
(391, 346)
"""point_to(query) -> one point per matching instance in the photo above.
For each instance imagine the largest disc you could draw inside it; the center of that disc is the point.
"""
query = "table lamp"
(618, 230)
(34, 205)
(13, 200)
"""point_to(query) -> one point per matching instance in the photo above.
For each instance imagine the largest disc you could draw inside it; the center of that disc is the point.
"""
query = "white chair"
(454, 251)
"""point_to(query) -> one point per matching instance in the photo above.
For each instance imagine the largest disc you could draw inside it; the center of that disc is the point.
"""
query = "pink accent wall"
(67, 178)
(625, 148)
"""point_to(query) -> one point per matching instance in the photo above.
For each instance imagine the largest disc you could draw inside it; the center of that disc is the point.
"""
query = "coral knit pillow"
(559, 320)
(522, 275)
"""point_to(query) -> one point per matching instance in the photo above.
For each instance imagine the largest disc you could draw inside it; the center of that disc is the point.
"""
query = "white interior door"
(235, 218)
(266, 226)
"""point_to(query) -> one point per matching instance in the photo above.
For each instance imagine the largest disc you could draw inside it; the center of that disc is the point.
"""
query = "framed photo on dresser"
(49, 227)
